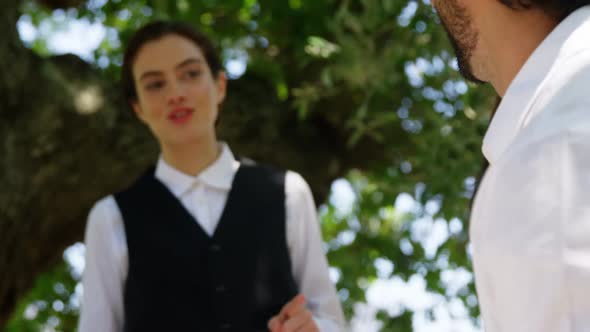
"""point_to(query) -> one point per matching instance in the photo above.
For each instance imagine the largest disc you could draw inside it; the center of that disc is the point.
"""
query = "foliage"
(53, 303)
(383, 70)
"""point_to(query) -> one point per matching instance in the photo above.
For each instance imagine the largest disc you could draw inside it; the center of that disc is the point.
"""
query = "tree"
(365, 90)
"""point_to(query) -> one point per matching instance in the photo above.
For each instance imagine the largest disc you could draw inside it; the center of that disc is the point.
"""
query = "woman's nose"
(176, 94)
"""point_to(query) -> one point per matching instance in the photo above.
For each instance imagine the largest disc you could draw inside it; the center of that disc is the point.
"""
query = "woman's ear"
(221, 82)
(137, 109)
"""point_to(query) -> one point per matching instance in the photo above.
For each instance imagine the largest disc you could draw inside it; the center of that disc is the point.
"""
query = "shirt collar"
(523, 90)
(218, 175)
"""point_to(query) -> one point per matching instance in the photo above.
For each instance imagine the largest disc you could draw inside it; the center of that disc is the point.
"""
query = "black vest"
(181, 279)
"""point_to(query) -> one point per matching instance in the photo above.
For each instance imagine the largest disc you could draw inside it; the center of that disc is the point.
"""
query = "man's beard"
(463, 37)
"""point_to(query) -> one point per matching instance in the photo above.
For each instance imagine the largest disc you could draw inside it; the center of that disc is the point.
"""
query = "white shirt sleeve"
(309, 263)
(105, 270)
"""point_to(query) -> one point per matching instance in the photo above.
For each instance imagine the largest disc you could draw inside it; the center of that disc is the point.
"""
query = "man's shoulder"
(562, 106)
(567, 87)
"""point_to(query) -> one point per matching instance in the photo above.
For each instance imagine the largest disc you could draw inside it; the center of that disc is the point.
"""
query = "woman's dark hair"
(154, 31)
(559, 9)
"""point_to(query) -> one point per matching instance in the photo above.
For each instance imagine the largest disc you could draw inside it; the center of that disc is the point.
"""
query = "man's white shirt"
(530, 227)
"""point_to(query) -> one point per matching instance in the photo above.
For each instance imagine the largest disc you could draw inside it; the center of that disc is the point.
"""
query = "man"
(530, 224)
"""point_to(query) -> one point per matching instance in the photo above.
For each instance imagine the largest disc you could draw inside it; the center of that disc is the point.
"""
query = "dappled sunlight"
(389, 292)
(89, 100)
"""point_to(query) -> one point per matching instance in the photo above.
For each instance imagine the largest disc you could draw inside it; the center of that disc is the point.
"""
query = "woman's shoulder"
(104, 205)
(104, 216)
(296, 180)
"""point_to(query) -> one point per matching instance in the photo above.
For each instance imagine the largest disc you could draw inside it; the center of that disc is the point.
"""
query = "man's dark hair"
(559, 9)
(154, 31)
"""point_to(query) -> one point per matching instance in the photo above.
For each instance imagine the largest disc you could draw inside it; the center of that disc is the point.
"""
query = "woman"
(201, 241)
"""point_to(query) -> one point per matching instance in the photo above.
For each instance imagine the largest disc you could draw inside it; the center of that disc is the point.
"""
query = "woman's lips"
(180, 115)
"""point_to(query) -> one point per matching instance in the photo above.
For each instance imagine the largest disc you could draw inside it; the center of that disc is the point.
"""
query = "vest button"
(220, 289)
(225, 326)
(215, 248)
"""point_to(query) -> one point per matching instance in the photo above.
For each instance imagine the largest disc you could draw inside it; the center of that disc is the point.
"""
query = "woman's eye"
(192, 73)
(154, 85)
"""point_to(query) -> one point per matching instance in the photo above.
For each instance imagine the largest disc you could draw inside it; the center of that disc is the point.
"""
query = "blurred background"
(362, 97)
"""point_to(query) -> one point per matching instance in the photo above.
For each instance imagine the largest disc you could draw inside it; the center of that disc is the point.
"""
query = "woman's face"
(177, 95)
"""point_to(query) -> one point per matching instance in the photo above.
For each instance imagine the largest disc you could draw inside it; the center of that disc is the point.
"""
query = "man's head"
(471, 24)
